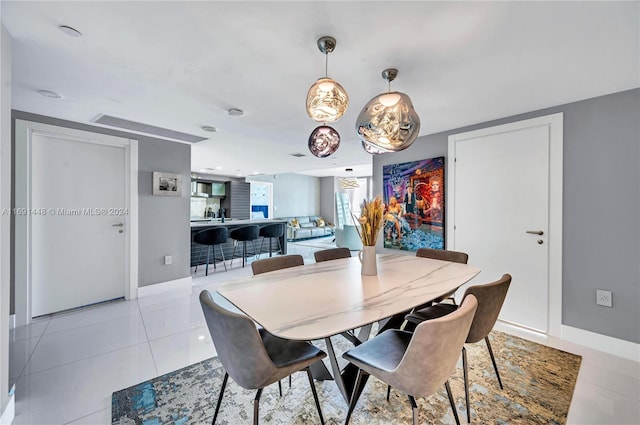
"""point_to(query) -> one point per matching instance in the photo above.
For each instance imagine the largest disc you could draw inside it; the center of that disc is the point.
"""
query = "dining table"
(321, 300)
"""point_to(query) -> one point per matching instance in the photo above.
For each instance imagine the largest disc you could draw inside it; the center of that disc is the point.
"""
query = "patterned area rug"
(538, 381)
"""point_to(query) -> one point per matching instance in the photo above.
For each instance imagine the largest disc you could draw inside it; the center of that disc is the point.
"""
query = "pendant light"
(324, 141)
(373, 150)
(327, 100)
(388, 121)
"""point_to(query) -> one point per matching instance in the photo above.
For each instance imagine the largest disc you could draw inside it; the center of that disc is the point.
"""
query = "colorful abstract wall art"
(414, 195)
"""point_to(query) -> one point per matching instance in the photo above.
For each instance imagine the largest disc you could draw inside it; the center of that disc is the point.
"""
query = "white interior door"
(501, 199)
(78, 223)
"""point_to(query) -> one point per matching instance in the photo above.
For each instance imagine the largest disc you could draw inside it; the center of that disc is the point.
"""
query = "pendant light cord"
(326, 65)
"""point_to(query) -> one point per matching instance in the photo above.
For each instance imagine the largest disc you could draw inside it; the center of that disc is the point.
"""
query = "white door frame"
(24, 131)
(554, 123)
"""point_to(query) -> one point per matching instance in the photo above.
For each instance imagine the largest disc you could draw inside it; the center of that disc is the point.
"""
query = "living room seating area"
(306, 227)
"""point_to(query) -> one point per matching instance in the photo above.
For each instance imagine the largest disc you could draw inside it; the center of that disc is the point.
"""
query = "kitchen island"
(199, 252)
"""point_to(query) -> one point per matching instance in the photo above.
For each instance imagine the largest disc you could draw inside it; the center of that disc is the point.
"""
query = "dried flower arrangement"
(371, 220)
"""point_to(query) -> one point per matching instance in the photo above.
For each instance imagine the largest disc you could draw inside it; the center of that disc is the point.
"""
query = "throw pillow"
(320, 222)
(295, 223)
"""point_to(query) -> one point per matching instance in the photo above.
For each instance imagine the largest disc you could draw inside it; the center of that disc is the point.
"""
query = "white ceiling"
(182, 65)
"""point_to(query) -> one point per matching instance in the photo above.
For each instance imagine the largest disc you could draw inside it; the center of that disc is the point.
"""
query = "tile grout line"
(146, 333)
(24, 368)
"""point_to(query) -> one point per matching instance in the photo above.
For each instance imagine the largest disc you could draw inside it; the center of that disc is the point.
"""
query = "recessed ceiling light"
(218, 167)
(238, 175)
(255, 172)
(70, 31)
(209, 128)
(50, 94)
(235, 112)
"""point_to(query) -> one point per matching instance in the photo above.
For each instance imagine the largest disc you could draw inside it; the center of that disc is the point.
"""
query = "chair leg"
(280, 387)
(256, 405)
(260, 252)
(233, 253)
(388, 391)
(223, 260)
(224, 384)
(289, 381)
(414, 409)
(493, 360)
(279, 246)
(206, 273)
(254, 249)
(315, 394)
(354, 398)
(466, 383)
(244, 252)
(453, 403)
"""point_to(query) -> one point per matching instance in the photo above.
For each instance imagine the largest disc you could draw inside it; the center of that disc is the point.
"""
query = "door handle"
(118, 225)
(535, 232)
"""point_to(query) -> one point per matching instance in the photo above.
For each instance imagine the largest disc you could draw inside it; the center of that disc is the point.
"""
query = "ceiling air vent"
(297, 155)
(139, 127)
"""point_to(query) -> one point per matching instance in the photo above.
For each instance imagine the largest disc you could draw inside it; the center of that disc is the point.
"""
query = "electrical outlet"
(604, 298)
(167, 260)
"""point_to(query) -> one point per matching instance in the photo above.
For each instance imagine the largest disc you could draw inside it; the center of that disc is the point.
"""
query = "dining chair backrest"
(444, 255)
(490, 299)
(238, 344)
(331, 254)
(276, 263)
(433, 352)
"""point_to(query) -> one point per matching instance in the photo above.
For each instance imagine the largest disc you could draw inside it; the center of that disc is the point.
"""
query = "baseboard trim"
(178, 285)
(617, 347)
(9, 409)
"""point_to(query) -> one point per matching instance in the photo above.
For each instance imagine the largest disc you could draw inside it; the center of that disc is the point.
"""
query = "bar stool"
(272, 231)
(211, 238)
(244, 234)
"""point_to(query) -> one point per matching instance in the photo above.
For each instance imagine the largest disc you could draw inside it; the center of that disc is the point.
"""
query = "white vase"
(368, 259)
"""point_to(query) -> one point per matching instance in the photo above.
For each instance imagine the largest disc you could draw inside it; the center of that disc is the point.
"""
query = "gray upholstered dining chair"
(331, 254)
(444, 255)
(398, 321)
(276, 263)
(490, 298)
(416, 364)
(254, 358)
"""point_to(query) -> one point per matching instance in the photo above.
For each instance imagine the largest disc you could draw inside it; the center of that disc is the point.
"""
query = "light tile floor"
(66, 367)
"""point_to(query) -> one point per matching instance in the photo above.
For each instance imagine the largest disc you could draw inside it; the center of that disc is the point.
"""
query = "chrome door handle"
(535, 232)
(118, 225)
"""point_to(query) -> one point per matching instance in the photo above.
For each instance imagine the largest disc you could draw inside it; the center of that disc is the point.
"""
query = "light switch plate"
(604, 298)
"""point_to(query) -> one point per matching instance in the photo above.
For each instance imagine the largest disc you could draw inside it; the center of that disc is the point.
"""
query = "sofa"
(305, 227)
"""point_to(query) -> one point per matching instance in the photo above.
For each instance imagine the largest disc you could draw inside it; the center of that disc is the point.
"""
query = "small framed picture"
(167, 184)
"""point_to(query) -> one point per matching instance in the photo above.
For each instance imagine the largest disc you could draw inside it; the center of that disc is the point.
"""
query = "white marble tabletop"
(324, 299)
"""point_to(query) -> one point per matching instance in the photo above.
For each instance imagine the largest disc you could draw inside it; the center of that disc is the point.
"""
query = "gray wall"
(327, 198)
(163, 222)
(293, 194)
(601, 207)
(5, 221)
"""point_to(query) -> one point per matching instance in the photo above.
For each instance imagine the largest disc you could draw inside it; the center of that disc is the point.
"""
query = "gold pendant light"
(327, 100)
